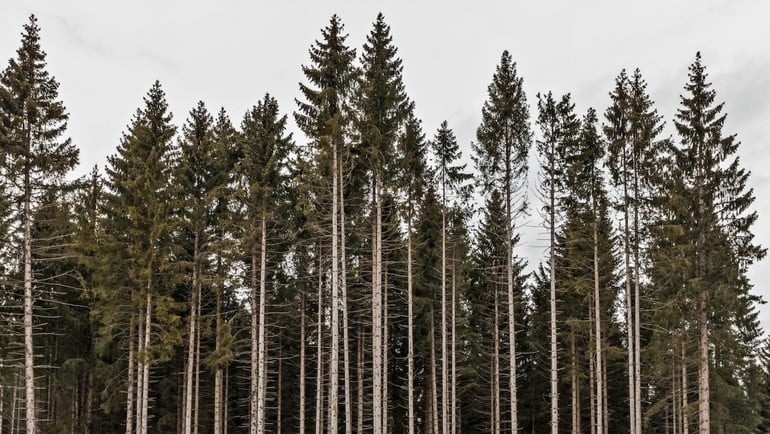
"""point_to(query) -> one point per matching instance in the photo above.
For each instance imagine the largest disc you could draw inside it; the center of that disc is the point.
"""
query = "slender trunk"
(218, 349)
(454, 354)
(511, 311)
(433, 377)
(637, 319)
(385, 347)
(360, 371)
(631, 342)
(139, 373)
(574, 392)
(2, 401)
(674, 399)
(197, 363)
(262, 374)
(14, 406)
(410, 324)
(335, 326)
(606, 407)
(496, 374)
(29, 354)
(598, 328)
(254, 368)
(554, 355)
(130, 392)
(302, 366)
(279, 399)
(444, 367)
(146, 357)
(188, 407)
(377, 311)
(345, 336)
(704, 416)
(593, 381)
(319, 352)
(685, 422)
(226, 402)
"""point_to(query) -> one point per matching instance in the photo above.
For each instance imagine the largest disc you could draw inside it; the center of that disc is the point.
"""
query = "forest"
(222, 275)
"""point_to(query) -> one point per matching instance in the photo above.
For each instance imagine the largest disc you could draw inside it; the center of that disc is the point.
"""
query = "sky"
(106, 55)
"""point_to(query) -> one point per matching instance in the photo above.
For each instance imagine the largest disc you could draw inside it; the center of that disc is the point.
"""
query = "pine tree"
(35, 160)
(500, 155)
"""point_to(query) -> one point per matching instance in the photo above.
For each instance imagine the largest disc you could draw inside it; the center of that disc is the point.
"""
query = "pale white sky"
(227, 53)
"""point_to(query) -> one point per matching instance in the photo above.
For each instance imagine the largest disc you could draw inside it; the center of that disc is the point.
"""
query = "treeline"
(226, 276)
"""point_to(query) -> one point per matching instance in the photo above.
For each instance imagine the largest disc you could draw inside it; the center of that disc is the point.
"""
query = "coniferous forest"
(222, 275)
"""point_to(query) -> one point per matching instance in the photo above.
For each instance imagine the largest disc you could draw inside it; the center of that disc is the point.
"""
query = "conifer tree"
(35, 159)
(264, 149)
(382, 106)
(500, 155)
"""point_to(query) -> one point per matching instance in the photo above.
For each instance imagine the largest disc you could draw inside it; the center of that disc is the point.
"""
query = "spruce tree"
(500, 155)
(35, 159)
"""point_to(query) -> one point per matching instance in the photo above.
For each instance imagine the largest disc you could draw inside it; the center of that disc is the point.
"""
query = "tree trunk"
(454, 353)
(254, 368)
(344, 289)
(130, 392)
(385, 348)
(218, 349)
(575, 410)
(360, 371)
(139, 373)
(29, 354)
(444, 352)
(598, 329)
(197, 363)
(410, 325)
(302, 392)
(496, 374)
(188, 407)
(262, 374)
(704, 416)
(335, 326)
(554, 355)
(319, 353)
(511, 311)
(433, 379)
(279, 399)
(146, 357)
(593, 381)
(377, 312)
(637, 319)
(685, 422)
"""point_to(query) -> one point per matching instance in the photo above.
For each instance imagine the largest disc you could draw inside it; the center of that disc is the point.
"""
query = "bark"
(130, 392)
(360, 370)
(345, 337)
(511, 316)
(29, 355)
(302, 392)
(261, 352)
(410, 326)
(574, 407)
(188, 407)
(631, 342)
(218, 349)
(385, 347)
(254, 384)
(319, 352)
(335, 326)
(496, 372)
(554, 355)
(197, 364)
(377, 311)
(685, 422)
(146, 357)
(637, 320)
(598, 329)
(453, 418)
(704, 416)
(444, 368)
(139, 374)
(433, 379)
(279, 399)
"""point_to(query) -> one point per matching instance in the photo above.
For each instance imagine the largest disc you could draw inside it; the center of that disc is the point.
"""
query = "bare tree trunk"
(14, 406)
(496, 374)
(218, 348)
(593, 380)
(29, 354)
(377, 312)
(2, 401)
(631, 342)
(444, 352)
(360, 371)
(704, 416)
(254, 383)
(335, 281)
(674, 399)
(685, 422)
(130, 392)
(433, 379)
(146, 357)
(454, 353)
(598, 328)
(302, 392)
(606, 407)
(262, 374)
(139, 373)
(319, 353)
(410, 324)
(279, 416)
(637, 319)
(227, 396)
(574, 392)
(188, 407)
(197, 363)
(345, 336)
(554, 355)
(385, 395)
(511, 311)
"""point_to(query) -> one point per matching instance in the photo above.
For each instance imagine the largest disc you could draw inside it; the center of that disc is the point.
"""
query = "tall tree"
(264, 148)
(500, 155)
(35, 159)
(382, 106)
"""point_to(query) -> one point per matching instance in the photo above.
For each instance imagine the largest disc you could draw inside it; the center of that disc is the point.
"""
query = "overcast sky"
(106, 55)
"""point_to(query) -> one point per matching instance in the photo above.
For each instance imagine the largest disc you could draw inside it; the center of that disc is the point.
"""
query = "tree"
(35, 160)
(264, 147)
(382, 106)
(500, 155)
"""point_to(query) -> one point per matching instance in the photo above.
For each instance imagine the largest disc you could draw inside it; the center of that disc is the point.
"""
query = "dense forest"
(222, 275)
